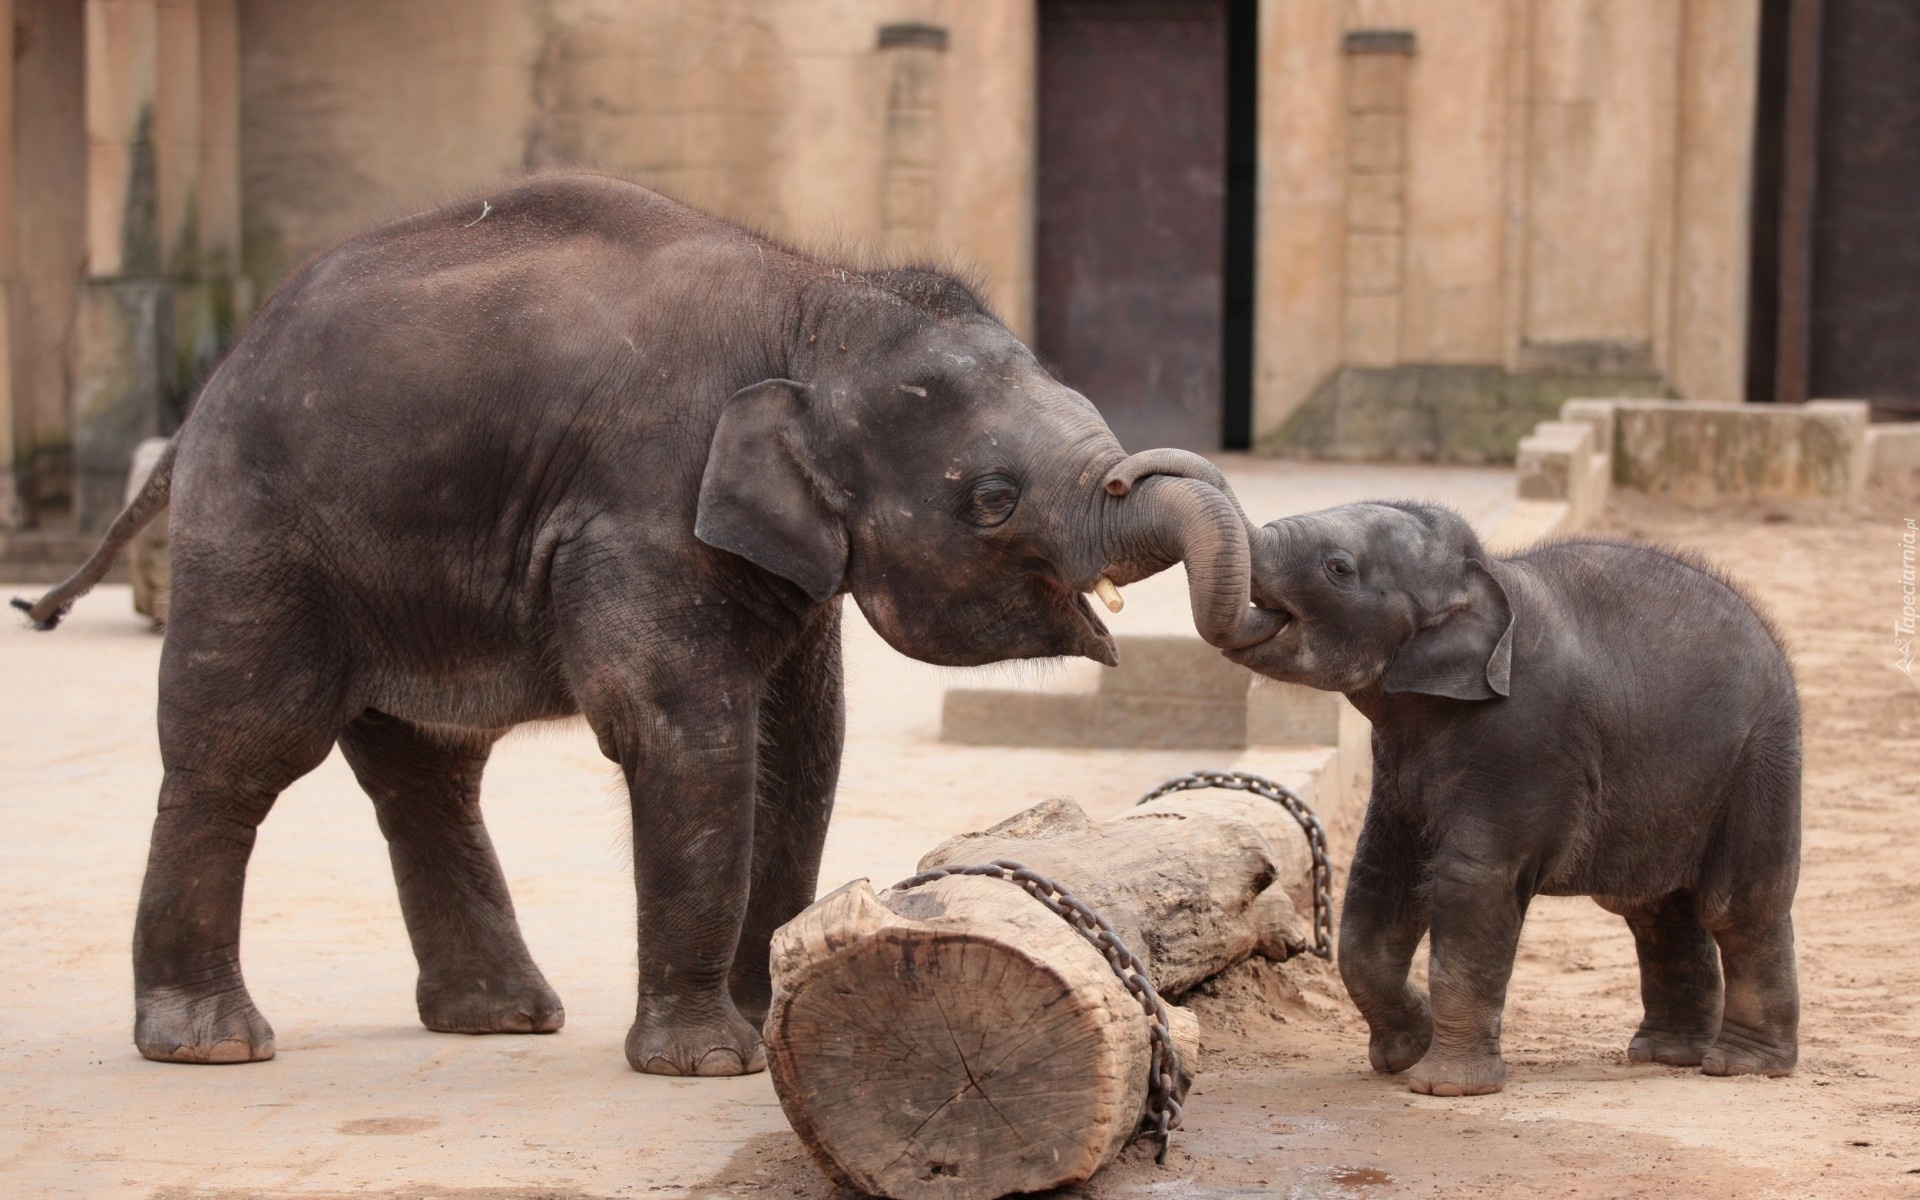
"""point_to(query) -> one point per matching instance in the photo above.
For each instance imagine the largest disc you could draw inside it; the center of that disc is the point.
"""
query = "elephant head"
(922, 460)
(1394, 597)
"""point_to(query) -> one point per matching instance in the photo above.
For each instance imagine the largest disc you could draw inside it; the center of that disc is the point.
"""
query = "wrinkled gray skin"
(594, 452)
(1590, 718)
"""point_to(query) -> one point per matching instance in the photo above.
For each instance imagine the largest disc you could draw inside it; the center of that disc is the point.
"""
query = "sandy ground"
(362, 1102)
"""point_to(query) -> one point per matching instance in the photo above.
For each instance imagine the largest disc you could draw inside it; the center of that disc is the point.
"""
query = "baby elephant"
(1590, 718)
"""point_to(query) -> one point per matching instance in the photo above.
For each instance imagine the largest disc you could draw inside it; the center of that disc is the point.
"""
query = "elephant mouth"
(1264, 655)
(1267, 603)
(1090, 633)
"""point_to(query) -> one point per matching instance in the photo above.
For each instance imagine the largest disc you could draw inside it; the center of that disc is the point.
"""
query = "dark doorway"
(1144, 255)
(1836, 277)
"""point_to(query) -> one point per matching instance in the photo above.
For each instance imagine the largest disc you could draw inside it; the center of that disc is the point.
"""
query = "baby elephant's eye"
(1340, 567)
(991, 501)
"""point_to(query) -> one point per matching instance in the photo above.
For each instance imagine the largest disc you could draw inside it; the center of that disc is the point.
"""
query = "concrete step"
(1168, 692)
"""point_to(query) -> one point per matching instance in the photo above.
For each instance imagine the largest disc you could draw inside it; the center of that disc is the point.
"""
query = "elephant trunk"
(1167, 519)
(1182, 464)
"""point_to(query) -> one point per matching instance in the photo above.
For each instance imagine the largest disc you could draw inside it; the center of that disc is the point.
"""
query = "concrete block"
(1009, 717)
(1553, 461)
(1168, 692)
(1599, 488)
(1597, 413)
(1175, 667)
(148, 564)
(1699, 453)
(1133, 721)
(1849, 420)
(1893, 451)
(1288, 714)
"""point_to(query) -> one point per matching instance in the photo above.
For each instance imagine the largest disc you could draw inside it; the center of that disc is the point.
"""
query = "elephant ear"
(761, 496)
(1465, 652)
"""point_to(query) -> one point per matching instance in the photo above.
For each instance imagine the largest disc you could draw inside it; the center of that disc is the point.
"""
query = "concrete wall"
(1560, 192)
(48, 232)
(790, 117)
(1468, 210)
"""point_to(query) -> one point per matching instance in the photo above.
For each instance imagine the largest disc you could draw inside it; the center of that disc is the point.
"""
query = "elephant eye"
(991, 501)
(1340, 567)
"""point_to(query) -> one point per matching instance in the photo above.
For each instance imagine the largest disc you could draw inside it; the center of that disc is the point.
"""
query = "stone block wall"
(119, 238)
(1169, 692)
(1702, 453)
(1472, 210)
(891, 127)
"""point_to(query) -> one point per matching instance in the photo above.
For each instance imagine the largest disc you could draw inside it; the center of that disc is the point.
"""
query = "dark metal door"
(1132, 209)
(1865, 313)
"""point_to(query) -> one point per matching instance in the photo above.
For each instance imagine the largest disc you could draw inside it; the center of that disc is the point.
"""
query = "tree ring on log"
(959, 1058)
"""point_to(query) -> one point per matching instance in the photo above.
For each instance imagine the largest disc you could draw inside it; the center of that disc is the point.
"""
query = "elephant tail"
(48, 609)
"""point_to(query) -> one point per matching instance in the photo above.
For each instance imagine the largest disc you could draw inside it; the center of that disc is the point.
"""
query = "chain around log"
(1163, 1067)
(1287, 798)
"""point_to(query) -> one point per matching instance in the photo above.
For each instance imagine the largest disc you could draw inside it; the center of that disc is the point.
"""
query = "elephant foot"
(718, 1044)
(1673, 1049)
(517, 1003)
(1742, 1052)
(1444, 1074)
(175, 1025)
(1394, 1049)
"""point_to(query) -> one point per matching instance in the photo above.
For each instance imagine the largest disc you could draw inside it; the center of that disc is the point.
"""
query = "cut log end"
(932, 1062)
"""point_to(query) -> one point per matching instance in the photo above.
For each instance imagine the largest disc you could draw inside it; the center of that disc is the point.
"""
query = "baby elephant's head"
(1389, 595)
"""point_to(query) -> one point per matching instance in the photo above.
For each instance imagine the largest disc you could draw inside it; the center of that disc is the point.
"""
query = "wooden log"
(960, 1040)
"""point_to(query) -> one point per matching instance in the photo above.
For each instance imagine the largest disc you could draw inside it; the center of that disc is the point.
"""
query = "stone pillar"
(199, 173)
(1377, 64)
(1298, 290)
(913, 56)
(1719, 73)
(219, 193)
(122, 365)
(11, 510)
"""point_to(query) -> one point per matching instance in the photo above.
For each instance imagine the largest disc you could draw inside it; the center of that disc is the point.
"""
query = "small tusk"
(1109, 594)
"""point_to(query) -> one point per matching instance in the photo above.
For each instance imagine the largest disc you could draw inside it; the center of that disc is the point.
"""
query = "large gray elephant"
(1591, 718)
(577, 448)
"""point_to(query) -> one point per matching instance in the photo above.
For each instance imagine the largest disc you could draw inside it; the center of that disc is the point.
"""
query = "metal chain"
(1287, 798)
(1163, 1067)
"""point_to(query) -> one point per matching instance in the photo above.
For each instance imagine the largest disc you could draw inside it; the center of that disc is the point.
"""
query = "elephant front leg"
(1382, 921)
(1477, 913)
(802, 729)
(690, 776)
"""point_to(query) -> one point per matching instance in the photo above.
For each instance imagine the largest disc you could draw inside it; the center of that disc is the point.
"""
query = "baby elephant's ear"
(1464, 652)
(762, 498)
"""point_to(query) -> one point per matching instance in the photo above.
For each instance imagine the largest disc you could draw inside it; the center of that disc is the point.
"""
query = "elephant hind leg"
(1679, 983)
(475, 973)
(242, 715)
(1759, 1029)
(1746, 900)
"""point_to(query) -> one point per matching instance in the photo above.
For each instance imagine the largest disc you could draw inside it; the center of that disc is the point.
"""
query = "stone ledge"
(1893, 452)
(1700, 452)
